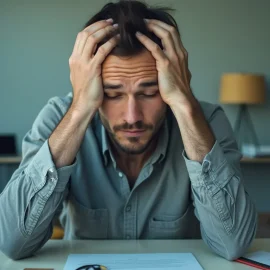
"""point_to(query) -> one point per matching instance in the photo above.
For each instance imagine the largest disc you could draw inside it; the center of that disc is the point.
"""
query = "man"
(131, 154)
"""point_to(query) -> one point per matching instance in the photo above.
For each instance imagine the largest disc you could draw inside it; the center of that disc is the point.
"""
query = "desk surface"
(54, 254)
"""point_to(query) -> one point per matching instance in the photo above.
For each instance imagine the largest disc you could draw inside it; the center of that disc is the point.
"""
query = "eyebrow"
(118, 86)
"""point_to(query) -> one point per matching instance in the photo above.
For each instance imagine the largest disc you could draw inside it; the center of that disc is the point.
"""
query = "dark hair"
(129, 15)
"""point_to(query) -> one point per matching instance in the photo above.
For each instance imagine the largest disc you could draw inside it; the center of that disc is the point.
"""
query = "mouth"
(133, 132)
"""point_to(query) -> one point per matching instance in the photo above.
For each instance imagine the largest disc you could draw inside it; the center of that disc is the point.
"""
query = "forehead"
(137, 66)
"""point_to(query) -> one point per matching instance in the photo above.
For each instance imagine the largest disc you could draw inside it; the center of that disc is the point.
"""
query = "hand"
(172, 63)
(85, 66)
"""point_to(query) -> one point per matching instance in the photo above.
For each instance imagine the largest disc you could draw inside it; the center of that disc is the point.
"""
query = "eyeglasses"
(92, 267)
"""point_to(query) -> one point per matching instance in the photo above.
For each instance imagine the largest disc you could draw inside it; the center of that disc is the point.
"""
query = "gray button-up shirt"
(173, 197)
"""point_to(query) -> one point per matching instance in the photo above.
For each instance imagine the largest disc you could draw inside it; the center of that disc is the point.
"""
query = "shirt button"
(120, 174)
(53, 179)
(128, 208)
(52, 174)
(51, 170)
(206, 166)
(128, 237)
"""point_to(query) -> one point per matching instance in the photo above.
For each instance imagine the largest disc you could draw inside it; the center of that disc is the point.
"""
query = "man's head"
(133, 110)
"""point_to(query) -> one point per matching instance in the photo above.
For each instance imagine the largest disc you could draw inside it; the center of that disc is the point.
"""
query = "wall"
(37, 38)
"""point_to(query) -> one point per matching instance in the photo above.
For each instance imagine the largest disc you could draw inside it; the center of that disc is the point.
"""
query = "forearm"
(226, 212)
(66, 139)
(26, 224)
(198, 139)
(228, 219)
(30, 201)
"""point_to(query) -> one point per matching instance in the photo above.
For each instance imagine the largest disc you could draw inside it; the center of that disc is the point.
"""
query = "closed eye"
(112, 97)
(148, 95)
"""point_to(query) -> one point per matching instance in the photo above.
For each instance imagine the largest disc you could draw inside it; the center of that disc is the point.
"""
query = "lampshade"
(242, 88)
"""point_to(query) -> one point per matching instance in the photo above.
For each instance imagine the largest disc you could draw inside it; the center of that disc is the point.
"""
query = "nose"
(133, 112)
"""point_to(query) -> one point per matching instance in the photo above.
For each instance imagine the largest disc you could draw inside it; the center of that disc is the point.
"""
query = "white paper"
(259, 256)
(146, 261)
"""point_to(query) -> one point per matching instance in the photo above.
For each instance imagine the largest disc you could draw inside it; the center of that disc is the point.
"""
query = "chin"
(133, 148)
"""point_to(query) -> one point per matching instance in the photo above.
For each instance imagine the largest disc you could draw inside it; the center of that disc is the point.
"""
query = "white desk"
(54, 253)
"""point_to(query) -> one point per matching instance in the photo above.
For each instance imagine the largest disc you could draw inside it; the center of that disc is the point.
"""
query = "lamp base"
(244, 129)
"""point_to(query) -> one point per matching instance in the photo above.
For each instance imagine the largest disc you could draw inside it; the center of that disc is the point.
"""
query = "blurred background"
(222, 37)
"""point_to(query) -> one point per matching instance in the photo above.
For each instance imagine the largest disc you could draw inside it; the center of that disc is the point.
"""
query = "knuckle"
(80, 34)
(109, 29)
(167, 35)
(84, 33)
(156, 48)
(102, 50)
(166, 63)
(174, 56)
(92, 38)
(181, 55)
(71, 61)
(75, 62)
(113, 41)
(173, 30)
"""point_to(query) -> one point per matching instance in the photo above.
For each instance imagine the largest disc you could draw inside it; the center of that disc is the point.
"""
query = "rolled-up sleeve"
(226, 212)
(35, 191)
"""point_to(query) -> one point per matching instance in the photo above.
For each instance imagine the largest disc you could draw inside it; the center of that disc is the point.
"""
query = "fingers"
(83, 35)
(181, 51)
(97, 26)
(104, 50)
(166, 39)
(95, 38)
(167, 33)
(151, 46)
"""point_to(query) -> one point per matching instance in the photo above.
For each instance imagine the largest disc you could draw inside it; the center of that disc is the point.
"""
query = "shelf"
(10, 160)
(255, 160)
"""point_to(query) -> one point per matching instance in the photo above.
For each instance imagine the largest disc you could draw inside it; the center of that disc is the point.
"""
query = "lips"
(133, 133)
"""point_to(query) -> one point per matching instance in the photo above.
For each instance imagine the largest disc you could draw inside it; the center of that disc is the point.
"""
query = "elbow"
(233, 247)
(21, 248)
(239, 246)
(235, 253)
(14, 253)
(15, 248)
(231, 252)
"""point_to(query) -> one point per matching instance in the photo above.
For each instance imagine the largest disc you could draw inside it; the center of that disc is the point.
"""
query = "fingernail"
(115, 25)
(109, 20)
(138, 33)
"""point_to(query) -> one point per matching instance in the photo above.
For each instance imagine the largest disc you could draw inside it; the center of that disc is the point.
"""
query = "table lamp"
(243, 89)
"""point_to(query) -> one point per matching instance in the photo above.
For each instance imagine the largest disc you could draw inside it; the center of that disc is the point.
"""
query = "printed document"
(146, 261)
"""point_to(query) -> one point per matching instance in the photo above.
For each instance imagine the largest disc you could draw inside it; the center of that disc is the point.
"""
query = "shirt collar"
(158, 154)
(105, 145)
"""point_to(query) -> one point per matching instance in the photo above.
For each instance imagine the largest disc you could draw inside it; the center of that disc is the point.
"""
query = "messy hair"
(130, 15)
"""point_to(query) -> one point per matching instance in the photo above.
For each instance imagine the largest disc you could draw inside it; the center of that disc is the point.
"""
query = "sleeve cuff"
(64, 174)
(43, 168)
(214, 171)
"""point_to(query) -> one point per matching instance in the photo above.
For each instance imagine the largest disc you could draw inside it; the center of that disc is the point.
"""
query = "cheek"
(154, 110)
(109, 112)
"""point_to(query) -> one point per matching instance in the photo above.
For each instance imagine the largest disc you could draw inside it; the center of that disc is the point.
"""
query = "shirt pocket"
(88, 223)
(173, 227)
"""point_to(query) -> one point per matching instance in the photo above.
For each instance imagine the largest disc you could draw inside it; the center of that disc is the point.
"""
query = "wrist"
(188, 107)
(79, 114)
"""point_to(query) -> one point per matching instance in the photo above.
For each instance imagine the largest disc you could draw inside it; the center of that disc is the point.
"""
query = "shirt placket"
(131, 206)
(129, 211)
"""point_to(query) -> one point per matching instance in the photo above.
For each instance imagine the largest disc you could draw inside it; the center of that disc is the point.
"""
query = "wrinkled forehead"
(138, 66)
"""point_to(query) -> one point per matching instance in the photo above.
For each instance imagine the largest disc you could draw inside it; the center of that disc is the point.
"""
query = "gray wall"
(37, 38)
